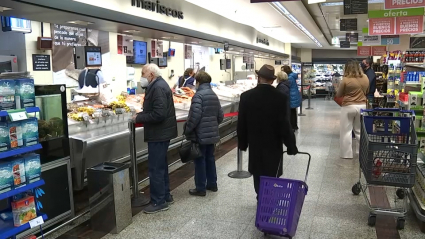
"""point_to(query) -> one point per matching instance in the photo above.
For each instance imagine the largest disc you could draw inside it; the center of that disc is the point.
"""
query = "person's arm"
(195, 115)
(220, 116)
(286, 132)
(341, 89)
(242, 128)
(159, 112)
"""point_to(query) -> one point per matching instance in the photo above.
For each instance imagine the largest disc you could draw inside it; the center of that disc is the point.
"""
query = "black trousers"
(256, 178)
(294, 118)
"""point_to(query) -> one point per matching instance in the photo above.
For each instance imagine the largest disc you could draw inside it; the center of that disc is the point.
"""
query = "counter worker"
(367, 69)
(187, 80)
(91, 81)
(160, 126)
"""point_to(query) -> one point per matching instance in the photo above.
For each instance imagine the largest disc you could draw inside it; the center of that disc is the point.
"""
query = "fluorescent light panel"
(290, 17)
(315, 1)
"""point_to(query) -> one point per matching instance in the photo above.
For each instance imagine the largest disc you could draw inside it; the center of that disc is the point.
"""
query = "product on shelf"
(4, 137)
(32, 167)
(15, 134)
(417, 56)
(18, 171)
(6, 178)
(25, 93)
(23, 211)
(7, 93)
(30, 131)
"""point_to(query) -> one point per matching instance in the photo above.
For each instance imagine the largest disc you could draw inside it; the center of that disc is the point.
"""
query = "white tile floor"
(330, 210)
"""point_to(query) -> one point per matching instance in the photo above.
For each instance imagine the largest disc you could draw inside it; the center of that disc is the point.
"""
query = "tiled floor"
(330, 209)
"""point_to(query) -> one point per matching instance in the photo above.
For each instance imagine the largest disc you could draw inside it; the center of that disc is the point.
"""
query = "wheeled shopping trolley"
(279, 204)
(388, 157)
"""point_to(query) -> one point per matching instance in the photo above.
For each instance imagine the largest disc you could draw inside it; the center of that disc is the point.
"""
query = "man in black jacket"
(263, 126)
(160, 126)
(367, 68)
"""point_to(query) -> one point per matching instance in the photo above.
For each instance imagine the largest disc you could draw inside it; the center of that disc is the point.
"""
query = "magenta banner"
(258, 1)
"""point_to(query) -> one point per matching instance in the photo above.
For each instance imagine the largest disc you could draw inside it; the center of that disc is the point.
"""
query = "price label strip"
(36, 222)
(17, 115)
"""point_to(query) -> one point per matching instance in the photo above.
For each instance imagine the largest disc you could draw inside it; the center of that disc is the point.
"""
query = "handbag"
(189, 152)
(339, 100)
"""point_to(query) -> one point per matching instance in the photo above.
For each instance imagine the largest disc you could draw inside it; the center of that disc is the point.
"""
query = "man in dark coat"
(160, 126)
(263, 126)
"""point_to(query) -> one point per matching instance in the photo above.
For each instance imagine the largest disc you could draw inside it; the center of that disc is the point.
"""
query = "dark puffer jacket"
(159, 115)
(284, 87)
(204, 116)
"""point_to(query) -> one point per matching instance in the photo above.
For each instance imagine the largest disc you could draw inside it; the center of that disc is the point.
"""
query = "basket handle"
(308, 165)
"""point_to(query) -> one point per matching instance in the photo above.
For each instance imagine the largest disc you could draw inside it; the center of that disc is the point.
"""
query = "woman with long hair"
(354, 88)
(187, 80)
(294, 95)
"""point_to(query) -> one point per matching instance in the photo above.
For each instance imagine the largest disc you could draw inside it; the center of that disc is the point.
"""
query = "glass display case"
(52, 122)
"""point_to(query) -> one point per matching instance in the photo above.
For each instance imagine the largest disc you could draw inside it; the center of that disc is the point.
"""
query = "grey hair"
(154, 69)
(282, 76)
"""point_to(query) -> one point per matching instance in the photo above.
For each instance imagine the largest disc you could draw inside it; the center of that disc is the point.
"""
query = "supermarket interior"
(74, 163)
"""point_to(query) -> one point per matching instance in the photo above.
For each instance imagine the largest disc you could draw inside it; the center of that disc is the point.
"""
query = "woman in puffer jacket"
(294, 95)
(205, 115)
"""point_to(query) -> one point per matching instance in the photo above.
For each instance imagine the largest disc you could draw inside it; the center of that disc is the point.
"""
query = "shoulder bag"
(189, 152)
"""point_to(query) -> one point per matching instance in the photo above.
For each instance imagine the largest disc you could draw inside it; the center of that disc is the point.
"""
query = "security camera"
(171, 74)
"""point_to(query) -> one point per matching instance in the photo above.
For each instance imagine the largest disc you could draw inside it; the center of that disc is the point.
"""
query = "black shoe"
(213, 189)
(195, 192)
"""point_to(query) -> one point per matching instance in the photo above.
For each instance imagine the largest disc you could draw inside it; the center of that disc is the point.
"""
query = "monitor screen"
(94, 58)
(15, 24)
(5, 66)
(139, 52)
(162, 62)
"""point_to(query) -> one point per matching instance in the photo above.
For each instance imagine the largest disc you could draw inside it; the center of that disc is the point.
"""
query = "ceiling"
(188, 36)
(328, 17)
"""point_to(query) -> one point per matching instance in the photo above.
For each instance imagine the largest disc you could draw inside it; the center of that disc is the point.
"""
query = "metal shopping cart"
(279, 204)
(388, 156)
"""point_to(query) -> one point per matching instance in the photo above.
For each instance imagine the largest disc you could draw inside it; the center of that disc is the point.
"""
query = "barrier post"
(301, 106)
(309, 98)
(138, 199)
(239, 173)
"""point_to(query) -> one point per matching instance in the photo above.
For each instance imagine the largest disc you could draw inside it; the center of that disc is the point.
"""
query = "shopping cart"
(388, 156)
(279, 204)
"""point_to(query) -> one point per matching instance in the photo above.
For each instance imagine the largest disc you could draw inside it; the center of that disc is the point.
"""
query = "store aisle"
(330, 210)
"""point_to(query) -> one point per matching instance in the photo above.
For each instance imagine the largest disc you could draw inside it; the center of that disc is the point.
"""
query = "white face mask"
(144, 82)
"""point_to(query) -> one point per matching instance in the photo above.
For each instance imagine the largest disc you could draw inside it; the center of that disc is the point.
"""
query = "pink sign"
(409, 25)
(382, 26)
(363, 51)
(391, 4)
(379, 50)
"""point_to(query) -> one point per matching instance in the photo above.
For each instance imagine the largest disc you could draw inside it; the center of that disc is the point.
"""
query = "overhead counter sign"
(396, 13)
(393, 4)
(157, 7)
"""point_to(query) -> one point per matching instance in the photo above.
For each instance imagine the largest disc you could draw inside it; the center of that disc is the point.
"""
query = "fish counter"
(107, 139)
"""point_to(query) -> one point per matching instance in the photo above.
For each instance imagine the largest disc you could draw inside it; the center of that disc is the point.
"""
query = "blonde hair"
(352, 69)
(282, 76)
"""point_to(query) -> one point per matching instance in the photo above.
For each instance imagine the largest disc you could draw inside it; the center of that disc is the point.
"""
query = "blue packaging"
(7, 95)
(6, 178)
(25, 93)
(18, 172)
(32, 167)
(30, 131)
(4, 137)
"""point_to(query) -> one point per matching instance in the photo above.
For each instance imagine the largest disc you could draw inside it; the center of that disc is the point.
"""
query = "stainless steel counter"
(108, 140)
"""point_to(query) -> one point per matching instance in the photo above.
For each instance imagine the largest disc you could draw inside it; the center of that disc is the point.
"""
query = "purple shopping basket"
(279, 205)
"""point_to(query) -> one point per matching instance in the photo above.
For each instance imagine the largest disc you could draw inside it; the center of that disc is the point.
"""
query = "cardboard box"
(32, 167)
(7, 95)
(415, 99)
(23, 211)
(6, 178)
(18, 172)
(4, 137)
(30, 131)
(25, 93)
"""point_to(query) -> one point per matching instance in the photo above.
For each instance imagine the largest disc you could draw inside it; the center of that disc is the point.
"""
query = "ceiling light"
(166, 37)
(79, 22)
(2, 9)
(131, 31)
(194, 42)
(315, 1)
(231, 49)
(282, 10)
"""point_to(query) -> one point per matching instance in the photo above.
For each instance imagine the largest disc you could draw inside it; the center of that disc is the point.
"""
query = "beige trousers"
(349, 121)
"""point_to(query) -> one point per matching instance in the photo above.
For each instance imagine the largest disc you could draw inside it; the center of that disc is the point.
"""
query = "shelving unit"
(7, 228)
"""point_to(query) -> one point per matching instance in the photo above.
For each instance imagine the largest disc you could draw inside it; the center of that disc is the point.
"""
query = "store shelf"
(22, 189)
(23, 150)
(7, 229)
(4, 113)
(415, 64)
(413, 83)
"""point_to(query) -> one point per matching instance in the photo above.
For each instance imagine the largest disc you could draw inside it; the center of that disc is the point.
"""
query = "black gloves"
(292, 150)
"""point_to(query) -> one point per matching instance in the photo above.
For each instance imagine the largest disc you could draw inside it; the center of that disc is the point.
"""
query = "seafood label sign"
(391, 4)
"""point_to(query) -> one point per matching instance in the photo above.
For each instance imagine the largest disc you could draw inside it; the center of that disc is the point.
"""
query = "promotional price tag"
(36, 222)
(16, 115)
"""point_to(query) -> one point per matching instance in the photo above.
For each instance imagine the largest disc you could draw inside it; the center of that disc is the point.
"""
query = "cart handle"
(308, 165)
(388, 110)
